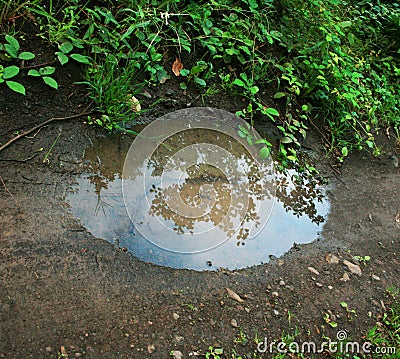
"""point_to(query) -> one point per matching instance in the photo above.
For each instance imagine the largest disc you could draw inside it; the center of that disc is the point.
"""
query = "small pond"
(195, 196)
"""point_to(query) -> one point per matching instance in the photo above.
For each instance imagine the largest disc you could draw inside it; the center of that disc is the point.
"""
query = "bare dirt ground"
(64, 291)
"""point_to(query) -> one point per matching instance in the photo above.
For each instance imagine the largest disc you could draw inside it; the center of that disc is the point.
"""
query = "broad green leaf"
(16, 86)
(11, 50)
(200, 82)
(286, 140)
(33, 73)
(184, 72)
(238, 82)
(254, 89)
(271, 111)
(80, 58)
(47, 70)
(13, 42)
(345, 151)
(183, 86)
(249, 140)
(62, 58)
(10, 72)
(50, 81)
(279, 95)
(65, 47)
(265, 152)
(26, 55)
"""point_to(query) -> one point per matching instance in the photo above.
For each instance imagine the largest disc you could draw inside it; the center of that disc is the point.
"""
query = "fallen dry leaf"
(177, 66)
(234, 296)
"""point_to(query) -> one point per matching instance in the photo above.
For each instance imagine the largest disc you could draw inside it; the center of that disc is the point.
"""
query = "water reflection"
(204, 195)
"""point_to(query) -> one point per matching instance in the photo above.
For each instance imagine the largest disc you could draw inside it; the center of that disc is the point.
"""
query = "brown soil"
(60, 287)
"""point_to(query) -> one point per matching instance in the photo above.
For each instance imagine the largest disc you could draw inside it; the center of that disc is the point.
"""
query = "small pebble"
(354, 268)
(330, 287)
(275, 294)
(332, 259)
(176, 316)
(234, 323)
(276, 312)
(151, 348)
(313, 270)
(319, 285)
(176, 354)
(282, 283)
(375, 277)
(49, 349)
(78, 355)
(345, 278)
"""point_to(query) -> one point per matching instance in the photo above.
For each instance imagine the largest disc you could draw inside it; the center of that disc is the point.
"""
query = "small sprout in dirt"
(289, 316)
(363, 260)
(241, 338)
(214, 353)
(191, 307)
(329, 321)
(348, 311)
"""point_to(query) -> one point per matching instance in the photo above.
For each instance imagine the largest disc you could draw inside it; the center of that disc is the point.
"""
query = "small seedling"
(348, 311)
(363, 260)
(329, 321)
(214, 353)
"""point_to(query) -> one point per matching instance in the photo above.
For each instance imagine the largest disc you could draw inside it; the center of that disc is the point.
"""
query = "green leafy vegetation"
(333, 65)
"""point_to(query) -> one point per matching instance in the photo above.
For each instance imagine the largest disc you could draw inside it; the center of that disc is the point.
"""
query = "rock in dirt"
(354, 268)
(234, 323)
(176, 354)
(345, 278)
(332, 259)
(375, 277)
(151, 348)
(175, 316)
(234, 296)
(313, 270)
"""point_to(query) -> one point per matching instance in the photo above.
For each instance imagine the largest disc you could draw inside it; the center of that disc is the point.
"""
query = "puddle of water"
(296, 210)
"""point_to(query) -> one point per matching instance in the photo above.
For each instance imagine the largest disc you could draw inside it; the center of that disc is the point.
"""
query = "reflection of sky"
(105, 216)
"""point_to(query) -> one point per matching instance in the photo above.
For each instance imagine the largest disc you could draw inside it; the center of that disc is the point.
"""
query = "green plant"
(214, 353)
(11, 10)
(348, 311)
(386, 333)
(338, 63)
(11, 50)
(242, 338)
(361, 259)
(245, 132)
(329, 321)
(200, 68)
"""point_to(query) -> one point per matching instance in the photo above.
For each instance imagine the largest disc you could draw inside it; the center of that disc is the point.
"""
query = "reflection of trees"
(298, 194)
(238, 189)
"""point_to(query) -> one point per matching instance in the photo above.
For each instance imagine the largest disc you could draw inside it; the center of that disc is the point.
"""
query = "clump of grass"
(386, 333)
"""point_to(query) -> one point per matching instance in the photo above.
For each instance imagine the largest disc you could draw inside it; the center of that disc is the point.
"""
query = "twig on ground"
(8, 192)
(85, 112)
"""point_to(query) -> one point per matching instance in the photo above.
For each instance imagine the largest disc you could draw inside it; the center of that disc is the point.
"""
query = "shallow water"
(198, 220)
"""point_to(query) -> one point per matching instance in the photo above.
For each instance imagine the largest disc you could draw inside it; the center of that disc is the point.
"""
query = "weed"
(362, 260)
(214, 353)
